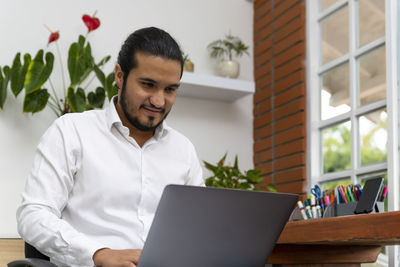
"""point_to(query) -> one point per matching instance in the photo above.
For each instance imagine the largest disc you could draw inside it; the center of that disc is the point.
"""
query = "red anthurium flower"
(92, 23)
(53, 37)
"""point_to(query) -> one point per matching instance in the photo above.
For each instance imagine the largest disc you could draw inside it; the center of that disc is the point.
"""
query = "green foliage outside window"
(337, 148)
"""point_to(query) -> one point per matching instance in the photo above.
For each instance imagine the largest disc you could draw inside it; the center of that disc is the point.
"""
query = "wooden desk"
(348, 240)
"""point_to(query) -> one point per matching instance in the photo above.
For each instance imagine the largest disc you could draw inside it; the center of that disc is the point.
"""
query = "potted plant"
(232, 177)
(224, 50)
(34, 72)
(188, 65)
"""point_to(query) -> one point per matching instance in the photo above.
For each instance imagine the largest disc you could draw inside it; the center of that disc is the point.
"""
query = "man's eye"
(170, 89)
(147, 85)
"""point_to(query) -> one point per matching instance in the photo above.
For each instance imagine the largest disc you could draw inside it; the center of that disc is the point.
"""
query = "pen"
(327, 200)
(302, 211)
(320, 208)
(356, 192)
(308, 210)
(384, 193)
(359, 191)
(314, 208)
(322, 205)
(346, 193)
(342, 194)
(350, 190)
(337, 196)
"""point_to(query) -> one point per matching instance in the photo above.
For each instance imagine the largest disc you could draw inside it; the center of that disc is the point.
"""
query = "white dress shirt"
(92, 186)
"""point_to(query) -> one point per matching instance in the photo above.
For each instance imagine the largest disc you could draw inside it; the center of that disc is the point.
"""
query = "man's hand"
(116, 258)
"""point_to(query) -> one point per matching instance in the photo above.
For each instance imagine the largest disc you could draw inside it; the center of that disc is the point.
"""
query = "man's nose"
(157, 99)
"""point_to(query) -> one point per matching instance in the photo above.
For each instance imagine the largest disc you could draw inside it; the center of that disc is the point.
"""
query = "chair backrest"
(32, 252)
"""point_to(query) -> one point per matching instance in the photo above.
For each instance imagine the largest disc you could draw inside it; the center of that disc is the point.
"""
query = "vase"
(228, 68)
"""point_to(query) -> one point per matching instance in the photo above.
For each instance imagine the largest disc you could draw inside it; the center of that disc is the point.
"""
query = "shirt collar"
(113, 118)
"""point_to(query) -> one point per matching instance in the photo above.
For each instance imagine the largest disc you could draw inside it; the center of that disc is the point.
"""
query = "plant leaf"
(222, 160)
(38, 71)
(103, 61)
(100, 75)
(36, 101)
(18, 73)
(244, 186)
(74, 68)
(80, 61)
(226, 46)
(77, 100)
(272, 188)
(110, 87)
(210, 181)
(3, 84)
(210, 166)
(81, 40)
(236, 165)
(96, 100)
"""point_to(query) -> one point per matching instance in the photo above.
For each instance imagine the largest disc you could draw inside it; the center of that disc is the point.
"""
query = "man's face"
(147, 95)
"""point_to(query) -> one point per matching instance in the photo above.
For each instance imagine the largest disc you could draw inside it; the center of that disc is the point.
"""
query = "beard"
(134, 120)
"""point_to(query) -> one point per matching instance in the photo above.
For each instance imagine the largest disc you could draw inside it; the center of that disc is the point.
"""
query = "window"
(352, 95)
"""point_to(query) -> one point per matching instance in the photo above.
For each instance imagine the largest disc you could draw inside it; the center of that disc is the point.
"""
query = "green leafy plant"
(232, 177)
(33, 73)
(227, 47)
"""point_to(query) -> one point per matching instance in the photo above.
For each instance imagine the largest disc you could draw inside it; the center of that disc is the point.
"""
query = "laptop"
(213, 227)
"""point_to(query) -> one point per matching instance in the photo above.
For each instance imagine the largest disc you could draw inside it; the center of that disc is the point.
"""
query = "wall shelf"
(214, 88)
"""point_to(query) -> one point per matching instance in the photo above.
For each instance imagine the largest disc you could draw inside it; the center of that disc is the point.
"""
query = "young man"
(98, 176)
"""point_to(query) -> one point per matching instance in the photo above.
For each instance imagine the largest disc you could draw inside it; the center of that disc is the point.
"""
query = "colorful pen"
(327, 201)
(384, 193)
(342, 194)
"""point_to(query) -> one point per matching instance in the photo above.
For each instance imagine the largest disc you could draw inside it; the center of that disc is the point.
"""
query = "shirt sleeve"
(46, 193)
(196, 172)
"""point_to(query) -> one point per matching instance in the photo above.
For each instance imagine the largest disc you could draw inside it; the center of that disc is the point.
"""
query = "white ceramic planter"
(228, 68)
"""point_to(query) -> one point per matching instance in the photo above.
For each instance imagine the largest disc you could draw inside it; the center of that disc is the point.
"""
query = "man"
(98, 176)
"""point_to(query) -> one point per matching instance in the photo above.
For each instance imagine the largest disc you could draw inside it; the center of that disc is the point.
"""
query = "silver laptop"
(212, 227)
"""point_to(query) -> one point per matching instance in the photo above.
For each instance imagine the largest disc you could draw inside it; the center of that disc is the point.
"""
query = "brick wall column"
(280, 97)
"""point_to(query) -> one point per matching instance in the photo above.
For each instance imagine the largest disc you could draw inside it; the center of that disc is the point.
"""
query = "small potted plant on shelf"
(224, 50)
(232, 177)
(33, 73)
(188, 65)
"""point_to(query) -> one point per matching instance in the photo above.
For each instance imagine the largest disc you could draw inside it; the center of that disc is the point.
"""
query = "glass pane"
(372, 71)
(373, 137)
(335, 35)
(336, 147)
(371, 20)
(327, 3)
(335, 92)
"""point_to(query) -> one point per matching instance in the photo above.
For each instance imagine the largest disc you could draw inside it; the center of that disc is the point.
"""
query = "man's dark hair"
(153, 41)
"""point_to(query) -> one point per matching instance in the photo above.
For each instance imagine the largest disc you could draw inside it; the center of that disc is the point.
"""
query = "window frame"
(315, 125)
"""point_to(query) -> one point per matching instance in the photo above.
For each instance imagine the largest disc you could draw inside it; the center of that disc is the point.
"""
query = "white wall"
(214, 127)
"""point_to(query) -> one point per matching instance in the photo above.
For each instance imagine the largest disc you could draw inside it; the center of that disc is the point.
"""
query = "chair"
(33, 259)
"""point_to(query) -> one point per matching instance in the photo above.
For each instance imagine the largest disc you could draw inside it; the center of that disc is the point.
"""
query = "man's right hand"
(116, 258)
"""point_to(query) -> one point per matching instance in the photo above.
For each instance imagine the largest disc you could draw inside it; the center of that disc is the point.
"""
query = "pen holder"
(333, 210)
(345, 209)
(296, 215)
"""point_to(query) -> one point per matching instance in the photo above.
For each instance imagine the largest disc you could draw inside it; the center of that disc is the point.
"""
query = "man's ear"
(118, 76)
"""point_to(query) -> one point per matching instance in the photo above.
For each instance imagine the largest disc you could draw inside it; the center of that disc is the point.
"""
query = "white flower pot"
(228, 68)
